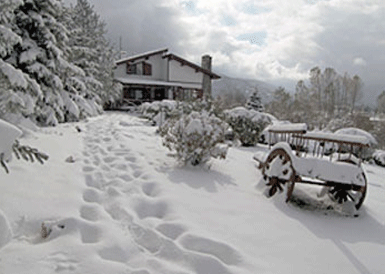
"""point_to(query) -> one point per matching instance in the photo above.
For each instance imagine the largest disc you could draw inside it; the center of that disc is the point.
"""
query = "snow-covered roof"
(169, 56)
(289, 128)
(148, 82)
(172, 56)
(142, 55)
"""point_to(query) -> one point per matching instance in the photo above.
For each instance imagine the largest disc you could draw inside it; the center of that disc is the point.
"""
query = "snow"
(256, 116)
(379, 157)
(123, 206)
(358, 132)
(356, 139)
(288, 127)
(194, 126)
(8, 134)
(15, 76)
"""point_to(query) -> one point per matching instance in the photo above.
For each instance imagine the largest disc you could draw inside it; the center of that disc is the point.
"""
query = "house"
(159, 75)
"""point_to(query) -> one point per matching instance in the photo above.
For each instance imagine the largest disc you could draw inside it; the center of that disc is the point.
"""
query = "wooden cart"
(329, 160)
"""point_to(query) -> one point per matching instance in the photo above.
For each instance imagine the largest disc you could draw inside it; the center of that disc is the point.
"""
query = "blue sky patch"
(190, 7)
(251, 8)
(257, 38)
(228, 20)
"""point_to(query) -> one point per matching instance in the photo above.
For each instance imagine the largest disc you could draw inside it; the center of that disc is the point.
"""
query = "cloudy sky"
(271, 40)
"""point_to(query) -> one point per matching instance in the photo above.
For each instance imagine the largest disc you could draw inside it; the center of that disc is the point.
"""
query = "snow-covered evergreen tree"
(41, 55)
(254, 102)
(92, 52)
(38, 76)
(18, 92)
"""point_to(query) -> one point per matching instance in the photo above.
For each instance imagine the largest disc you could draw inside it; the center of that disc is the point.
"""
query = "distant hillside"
(227, 84)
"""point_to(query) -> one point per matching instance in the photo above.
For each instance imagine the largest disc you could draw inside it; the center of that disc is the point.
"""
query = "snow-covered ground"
(121, 205)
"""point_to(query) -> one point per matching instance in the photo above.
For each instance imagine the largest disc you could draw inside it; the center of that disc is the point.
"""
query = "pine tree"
(92, 52)
(41, 82)
(18, 92)
(55, 64)
(254, 102)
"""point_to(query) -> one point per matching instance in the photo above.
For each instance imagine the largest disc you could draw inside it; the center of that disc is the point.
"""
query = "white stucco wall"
(179, 73)
(158, 64)
(163, 70)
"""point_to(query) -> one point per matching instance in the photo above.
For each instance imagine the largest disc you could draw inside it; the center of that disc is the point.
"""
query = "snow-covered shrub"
(379, 157)
(152, 111)
(367, 152)
(159, 111)
(247, 124)
(195, 137)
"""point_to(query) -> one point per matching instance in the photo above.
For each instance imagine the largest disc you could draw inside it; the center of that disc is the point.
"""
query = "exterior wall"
(179, 73)
(158, 67)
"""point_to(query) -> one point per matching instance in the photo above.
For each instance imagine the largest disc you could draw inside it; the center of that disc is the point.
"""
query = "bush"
(195, 137)
(159, 111)
(379, 157)
(154, 109)
(247, 125)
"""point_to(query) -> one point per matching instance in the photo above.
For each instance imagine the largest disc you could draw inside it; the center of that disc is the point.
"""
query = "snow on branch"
(8, 144)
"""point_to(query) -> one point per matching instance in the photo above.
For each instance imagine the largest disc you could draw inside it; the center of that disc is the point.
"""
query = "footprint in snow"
(119, 213)
(130, 159)
(90, 212)
(92, 195)
(108, 160)
(88, 169)
(90, 182)
(171, 230)
(221, 251)
(151, 189)
(148, 209)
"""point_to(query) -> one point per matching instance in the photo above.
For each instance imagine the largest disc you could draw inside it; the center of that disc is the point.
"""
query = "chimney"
(206, 81)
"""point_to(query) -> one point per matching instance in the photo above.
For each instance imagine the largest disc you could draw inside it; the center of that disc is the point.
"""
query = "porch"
(138, 91)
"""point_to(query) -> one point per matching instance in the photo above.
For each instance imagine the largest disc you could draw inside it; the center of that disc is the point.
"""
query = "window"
(147, 69)
(131, 68)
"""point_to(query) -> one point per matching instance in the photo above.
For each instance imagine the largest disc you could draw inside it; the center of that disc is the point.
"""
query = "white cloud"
(359, 61)
(290, 37)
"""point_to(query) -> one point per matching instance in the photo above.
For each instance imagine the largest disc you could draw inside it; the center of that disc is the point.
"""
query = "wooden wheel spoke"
(275, 185)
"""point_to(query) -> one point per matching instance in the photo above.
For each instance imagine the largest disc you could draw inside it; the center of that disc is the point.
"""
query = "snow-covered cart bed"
(300, 158)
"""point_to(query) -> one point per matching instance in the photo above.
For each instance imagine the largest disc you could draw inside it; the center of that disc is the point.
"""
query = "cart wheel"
(277, 170)
(354, 193)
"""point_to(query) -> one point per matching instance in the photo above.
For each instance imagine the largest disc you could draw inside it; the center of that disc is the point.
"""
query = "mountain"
(228, 84)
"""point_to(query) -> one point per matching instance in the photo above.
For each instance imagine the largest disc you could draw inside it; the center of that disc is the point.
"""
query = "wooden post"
(351, 151)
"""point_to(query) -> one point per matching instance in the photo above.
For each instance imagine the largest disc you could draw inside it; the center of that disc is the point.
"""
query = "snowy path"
(122, 183)
(124, 206)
